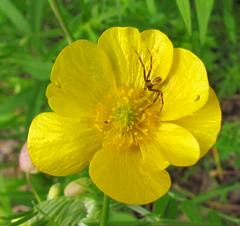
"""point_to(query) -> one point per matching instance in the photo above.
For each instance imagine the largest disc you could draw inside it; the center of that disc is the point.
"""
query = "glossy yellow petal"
(205, 123)
(177, 145)
(161, 50)
(123, 176)
(80, 77)
(186, 88)
(59, 146)
(125, 46)
(151, 155)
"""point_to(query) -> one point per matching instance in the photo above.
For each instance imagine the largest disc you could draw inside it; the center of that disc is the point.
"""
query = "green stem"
(105, 211)
(55, 7)
(37, 197)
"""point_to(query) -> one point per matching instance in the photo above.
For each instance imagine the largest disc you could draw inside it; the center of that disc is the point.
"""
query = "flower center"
(129, 118)
(125, 115)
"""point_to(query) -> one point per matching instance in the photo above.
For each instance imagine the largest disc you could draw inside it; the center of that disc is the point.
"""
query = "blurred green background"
(31, 38)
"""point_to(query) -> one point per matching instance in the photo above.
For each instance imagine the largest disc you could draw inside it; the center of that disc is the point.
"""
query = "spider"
(151, 84)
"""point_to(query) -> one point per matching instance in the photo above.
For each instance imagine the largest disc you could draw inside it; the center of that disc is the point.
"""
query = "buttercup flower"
(128, 106)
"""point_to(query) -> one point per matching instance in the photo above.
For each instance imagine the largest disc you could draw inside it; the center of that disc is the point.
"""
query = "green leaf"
(61, 211)
(5, 202)
(229, 141)
(38, 98)
(223, 190)
(36, 67)
(229, 20)
(151, 7)
(192, 210)
(10, 10)
(214, 219)
(172, 209)
(121, 216)
(36, 15)
(13, 102)
(185, 10)
(162, 222)
(204, 9)
(160, 206)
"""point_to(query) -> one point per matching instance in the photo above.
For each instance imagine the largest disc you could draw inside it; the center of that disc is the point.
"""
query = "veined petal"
(80, 77)
(123, 176)
(126, 48)
(59, 146)
(205, 123)
(151, 154)
(186, 89)
(177, 144)
(161, 50)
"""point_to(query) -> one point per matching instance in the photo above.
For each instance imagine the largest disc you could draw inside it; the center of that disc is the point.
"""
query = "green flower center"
(125, 115)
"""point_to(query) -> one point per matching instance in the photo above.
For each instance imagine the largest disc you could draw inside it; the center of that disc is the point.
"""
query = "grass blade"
(184, 8)
(160, 206)
(229, 20)
(36, 12)
(214, 218)
(204, 9)
(192, 211)
(217, 192)
(13, 102)
(16, 17)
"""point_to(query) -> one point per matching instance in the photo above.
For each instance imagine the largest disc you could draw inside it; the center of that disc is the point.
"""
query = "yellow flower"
(128, 106)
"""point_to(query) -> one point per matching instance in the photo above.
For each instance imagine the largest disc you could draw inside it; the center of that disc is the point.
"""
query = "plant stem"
(37, 197)
(55, 7)
(105, 211)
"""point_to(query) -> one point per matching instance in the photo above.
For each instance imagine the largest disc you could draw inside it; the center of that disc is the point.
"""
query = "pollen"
(127, 119)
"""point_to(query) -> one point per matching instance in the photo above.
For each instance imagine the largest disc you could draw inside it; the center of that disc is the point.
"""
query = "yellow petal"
(177, 145)
(161, 49)
(123, 176)
(59, 146)
(205, 123)
(186, 89)
(124, 46)
(151, 154)
(80, 77)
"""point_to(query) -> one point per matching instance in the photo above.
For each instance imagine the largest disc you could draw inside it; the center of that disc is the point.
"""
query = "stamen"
(128, 121)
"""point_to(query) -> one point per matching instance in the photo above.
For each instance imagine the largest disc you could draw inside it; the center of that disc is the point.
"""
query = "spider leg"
(162, 102)
(159, 93)
(150, 69)
(141, 61)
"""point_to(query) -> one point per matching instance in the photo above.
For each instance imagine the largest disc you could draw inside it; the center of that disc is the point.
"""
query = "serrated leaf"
(185, 10)
(61, 211)
(204, 9)
(16, 17)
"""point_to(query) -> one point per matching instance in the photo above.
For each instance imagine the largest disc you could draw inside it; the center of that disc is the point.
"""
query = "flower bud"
(54, 191)
(25, 162)
(77, 187)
